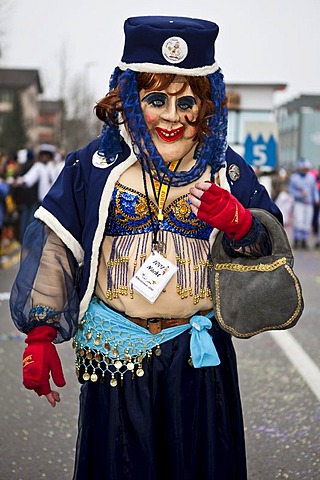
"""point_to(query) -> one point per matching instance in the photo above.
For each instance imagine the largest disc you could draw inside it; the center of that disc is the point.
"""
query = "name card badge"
(151, 279)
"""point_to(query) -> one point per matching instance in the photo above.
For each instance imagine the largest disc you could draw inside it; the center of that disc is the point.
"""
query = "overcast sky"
(273, 41)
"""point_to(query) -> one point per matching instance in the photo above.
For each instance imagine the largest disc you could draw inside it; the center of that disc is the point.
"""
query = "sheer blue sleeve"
(45, 289)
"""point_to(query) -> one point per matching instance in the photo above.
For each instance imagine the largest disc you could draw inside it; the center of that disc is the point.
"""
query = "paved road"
(282, 412)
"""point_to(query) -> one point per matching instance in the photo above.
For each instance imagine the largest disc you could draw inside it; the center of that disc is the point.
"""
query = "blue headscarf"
(211, 151)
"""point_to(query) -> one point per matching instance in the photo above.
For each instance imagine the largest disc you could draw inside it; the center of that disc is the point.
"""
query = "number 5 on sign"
(260, 153)
(260, 156)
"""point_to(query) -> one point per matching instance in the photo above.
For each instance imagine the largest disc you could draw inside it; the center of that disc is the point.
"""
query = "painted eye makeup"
(156, 99)
(186, 103)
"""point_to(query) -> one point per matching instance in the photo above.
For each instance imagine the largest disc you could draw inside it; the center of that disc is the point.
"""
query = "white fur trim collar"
(74, 246)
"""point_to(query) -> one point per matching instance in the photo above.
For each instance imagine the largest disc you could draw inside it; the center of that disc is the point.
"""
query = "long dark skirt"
(175, 423)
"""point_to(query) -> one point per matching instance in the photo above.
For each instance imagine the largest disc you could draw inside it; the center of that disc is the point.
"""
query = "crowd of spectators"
(25, 179)
(297, 194)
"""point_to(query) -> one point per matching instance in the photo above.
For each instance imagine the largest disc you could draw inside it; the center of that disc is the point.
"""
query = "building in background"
(41, 120)
(24, 86)
(299, 131)
(51, 122)
(252, 130)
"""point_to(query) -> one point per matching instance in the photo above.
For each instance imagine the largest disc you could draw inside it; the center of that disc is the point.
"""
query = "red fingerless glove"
(39, 359)
(220, 209)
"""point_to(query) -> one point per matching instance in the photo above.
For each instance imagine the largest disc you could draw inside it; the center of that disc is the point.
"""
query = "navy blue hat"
(167, 45)
(159, 44)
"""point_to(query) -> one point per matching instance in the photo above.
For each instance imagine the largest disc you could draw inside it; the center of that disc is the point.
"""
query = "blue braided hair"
(110, 143)
(211, 151)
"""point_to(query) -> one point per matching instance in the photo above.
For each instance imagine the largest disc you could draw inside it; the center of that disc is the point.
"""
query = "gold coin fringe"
(93, 366)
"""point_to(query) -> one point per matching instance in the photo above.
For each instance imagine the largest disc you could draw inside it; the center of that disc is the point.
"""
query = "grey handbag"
(253, 295)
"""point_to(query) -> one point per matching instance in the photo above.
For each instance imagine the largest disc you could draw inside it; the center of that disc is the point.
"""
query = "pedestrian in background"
(41, 172)
(57, 165)
(11, 214)
(4, 190)
(316, 215)
(119, 258)
(303, 188)
(285, 202)
(316, 210)
(25, 197)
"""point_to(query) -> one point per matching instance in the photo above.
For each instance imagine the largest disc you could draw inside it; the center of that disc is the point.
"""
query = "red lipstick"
(169, 135)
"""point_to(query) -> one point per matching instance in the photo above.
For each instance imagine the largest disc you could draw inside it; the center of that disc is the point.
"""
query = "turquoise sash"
(113, 334)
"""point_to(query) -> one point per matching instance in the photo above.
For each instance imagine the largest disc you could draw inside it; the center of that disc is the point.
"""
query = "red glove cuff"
(220, 209)
(43, 333)
(240, 228)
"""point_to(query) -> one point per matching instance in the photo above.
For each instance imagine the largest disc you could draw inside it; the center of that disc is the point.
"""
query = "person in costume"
(118, 259)
(302, 186)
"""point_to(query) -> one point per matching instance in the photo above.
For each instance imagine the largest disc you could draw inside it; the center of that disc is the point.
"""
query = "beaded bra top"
(129, 230)
(129, 214)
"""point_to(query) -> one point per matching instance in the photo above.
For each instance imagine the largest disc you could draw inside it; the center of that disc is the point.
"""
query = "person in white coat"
(41, 172)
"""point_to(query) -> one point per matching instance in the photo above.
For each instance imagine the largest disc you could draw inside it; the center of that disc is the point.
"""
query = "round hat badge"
(174, 49)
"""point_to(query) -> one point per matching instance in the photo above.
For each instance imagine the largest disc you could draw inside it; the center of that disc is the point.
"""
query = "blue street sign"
(260, 153)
